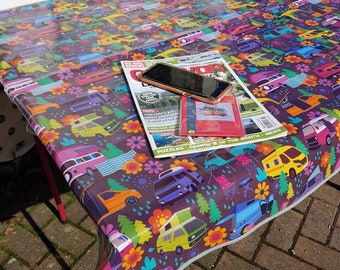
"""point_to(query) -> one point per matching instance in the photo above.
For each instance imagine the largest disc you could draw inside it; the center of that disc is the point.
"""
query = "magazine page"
(201, 119)
(159, 109)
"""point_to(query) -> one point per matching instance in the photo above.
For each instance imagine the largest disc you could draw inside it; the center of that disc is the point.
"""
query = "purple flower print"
(302, 67)
(153, 167)
(309, 168)
(66, 74)
(135, 142)
(74, 90)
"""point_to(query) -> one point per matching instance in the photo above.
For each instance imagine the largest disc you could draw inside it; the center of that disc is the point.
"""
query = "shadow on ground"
(23, 183)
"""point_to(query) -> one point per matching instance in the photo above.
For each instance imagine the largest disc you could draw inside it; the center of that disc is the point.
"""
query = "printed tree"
(111, 151)
(299, 145)
(41, 100)
(128, 228)
(332, 156)
(290, 192)
(275, 208)
(119, 113)
(215, 212)
(114, 185)
(143, 232)
(283, 183)
(4, 65)
(55, 124)
(43, 121)
(106, 110)
(202, 203)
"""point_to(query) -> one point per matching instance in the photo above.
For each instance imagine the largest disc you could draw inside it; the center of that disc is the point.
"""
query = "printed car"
(264, 60)
(302, 104)
(329, 70)
(175, 183)
(268, 80)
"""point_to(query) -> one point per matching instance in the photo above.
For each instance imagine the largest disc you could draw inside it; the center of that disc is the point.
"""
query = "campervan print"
(287, 54)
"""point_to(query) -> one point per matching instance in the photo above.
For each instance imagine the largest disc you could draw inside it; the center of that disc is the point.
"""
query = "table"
(59, 63)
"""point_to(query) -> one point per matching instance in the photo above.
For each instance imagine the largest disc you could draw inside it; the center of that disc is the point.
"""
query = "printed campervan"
(182, 231)
(286, 159)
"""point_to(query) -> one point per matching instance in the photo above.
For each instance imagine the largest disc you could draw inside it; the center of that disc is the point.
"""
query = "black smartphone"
(184, 82)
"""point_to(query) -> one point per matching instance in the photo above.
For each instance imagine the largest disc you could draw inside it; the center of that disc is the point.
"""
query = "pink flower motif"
(153, 167)
(135, 142)
(66, 74)
(309, 168)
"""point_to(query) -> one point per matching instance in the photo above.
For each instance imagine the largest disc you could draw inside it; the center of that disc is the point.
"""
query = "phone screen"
(186, 81)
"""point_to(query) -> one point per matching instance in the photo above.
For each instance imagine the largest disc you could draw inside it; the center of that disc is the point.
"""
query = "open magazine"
(159, 109)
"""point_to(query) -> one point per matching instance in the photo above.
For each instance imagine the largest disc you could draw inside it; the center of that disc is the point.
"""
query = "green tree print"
(128, 228)
(143, 232)
(215, 212)
(202, 203)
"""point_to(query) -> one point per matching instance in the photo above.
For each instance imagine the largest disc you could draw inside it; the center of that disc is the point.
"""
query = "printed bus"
(190, 37)
(94, 76)
(268, 80)
(246, 214)
(320, 131)
(181, 232)
(19, 86)
(92, 125)
(88, 100)
(78, 160)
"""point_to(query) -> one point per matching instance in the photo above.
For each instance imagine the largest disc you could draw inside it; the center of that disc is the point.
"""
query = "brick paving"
(306, 237)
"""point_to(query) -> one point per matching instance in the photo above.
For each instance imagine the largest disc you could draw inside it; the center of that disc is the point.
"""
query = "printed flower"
(324, 82)
(293, 59)
(268, 16)
(74, 90)
(314, 114)
(262, 191)
(135, 142)
(16, 41)
(132, 167)
(153, 167)
(158, 219)
(259, 92)
(142, 181)
(215, 237)
(213, 22)
(2, 72)
(309, 168)
(99, 88)
(310, 81)
(132, 126)
(290, 128)
(25, 26)
(85, 20)
(306, 43)
(124, 27)
(138, 56)
(337, 149)
(66, 65)
(68, 119)
(236, 66)
(325, 159)
(302, 67)
(219, 27)
(132, 258)
(97, 49)
(141, 158)
(311, 22)
(337, 129)
(185, 164)
(176, 43)
(166, 28)
(221, 37)
(66, 74)
(49, 136)
(264, 148)
(58, 90)
(243, 56)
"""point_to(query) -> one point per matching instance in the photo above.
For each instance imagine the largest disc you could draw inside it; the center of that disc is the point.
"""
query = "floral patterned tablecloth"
(59, 62)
